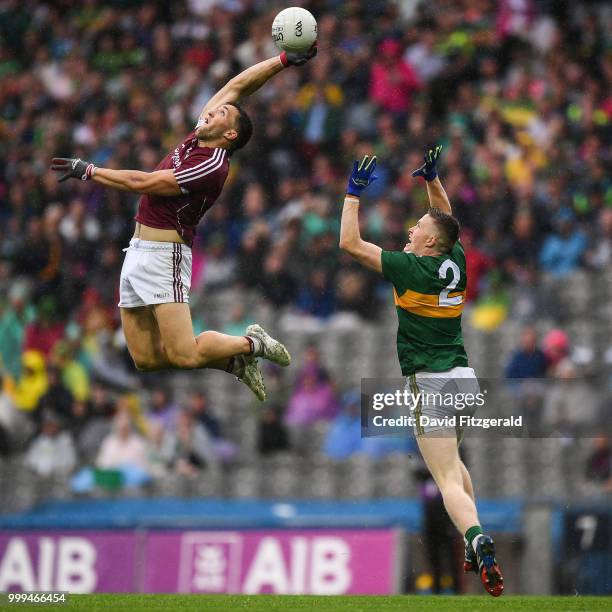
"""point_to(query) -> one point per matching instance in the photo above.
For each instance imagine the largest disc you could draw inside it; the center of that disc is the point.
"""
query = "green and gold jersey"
(429, 296)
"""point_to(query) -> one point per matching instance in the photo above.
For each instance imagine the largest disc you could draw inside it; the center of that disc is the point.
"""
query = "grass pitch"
(306, 603)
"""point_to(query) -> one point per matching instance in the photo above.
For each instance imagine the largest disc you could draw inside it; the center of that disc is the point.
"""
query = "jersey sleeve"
(195, 172)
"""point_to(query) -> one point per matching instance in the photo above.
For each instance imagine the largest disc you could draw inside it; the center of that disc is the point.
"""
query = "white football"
(294, 29)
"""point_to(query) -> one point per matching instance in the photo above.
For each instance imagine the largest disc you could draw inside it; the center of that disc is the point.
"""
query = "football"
(294, 29)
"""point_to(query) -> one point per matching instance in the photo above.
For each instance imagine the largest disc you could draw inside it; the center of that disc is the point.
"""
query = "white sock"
(257, 345)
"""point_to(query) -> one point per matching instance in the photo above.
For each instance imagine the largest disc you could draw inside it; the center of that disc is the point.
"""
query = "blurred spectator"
(526, 372)
(79, 417)
(14, 315)
(599, 255)
(317, 297)
(556, 348)
(570, 403)
(26, 391)
(105, 360)
(520, 252)
(313, 398)
(392, 79)
(162, 409)
(220, 265)
(253, 248)
(355, 293)
(57, 400)
(320, 102)
(40, 257)
(477, 263)
(529, 360)
(199, 409)
(193, 447)
(277, 285)
(52, 452)
(95, 425)
(74, 374)
(77, 226)
(344, 435)
(562, 251)
(423, 56)
(599, 465)
(46, 330)
(160, 449)
(272, 436)
(6, 445)
(491, 309)
(103, 277)
(122, 448)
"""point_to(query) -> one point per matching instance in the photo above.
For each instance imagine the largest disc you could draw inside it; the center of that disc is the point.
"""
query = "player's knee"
(144, 363)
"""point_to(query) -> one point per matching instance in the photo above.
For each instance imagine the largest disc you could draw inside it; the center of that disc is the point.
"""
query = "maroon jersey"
(200, 173)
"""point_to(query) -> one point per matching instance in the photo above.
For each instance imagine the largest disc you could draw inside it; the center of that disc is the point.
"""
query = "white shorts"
(442, 396)
(154, 273)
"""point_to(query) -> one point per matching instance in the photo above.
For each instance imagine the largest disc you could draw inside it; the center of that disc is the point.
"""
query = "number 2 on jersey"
(443, 299)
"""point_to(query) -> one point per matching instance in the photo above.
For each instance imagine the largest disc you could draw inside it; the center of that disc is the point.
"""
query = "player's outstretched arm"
(435, 191)
(251, 79)
(159, 182)
(364, 252)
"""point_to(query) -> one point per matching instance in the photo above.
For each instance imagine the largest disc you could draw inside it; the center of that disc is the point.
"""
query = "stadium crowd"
(519, 94)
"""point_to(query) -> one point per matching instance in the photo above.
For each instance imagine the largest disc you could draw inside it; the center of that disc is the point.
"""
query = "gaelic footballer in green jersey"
(429, 292)
(429, 282)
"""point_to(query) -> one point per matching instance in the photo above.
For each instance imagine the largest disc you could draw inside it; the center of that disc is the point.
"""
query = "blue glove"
(428, 170)
(362, 175)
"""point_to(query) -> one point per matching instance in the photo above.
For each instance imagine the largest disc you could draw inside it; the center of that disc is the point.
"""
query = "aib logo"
(298, 28)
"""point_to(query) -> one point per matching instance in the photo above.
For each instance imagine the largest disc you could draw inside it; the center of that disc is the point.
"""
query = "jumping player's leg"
(442, 458)
(441, 455)
(143, 338)
(187, 352)
(145, 344)
(160, 335)
(211, 348)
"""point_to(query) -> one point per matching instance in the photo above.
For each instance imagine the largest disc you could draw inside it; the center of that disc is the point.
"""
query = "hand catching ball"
(294, 30)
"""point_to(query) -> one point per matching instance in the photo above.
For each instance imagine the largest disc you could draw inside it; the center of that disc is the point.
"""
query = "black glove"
(291, 58)
(72, 168)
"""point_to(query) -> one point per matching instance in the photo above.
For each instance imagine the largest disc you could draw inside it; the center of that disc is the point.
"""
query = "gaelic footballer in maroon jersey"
(156, 274)
(200, 173)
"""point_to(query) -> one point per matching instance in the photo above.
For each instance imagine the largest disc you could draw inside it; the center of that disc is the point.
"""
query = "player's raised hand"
(362, 175)
(72, 168)
(293, 58)
(428, 170)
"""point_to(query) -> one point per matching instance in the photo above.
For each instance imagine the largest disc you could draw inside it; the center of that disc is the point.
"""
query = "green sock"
(472, 533)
